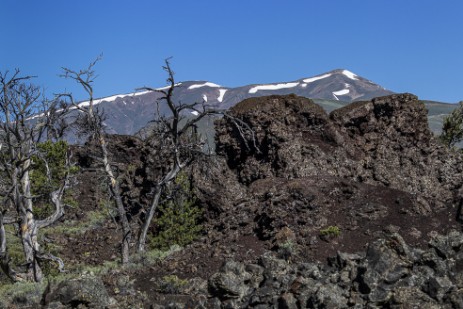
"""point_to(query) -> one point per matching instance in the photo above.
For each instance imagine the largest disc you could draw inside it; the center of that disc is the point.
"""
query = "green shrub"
(331, 231)
(55, 154)
(287, 250)
(50, 268)
(15, 246)
(178, 222)
(452, 128)
(171, 284)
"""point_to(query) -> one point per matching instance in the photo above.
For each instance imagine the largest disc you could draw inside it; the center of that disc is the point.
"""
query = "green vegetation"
(171, 284)
(21, 294)
(138, 261)
(47, 177)
(287, 250)
(452, 128)
(72, 227)
(330, 232)
(178, 222)
(15, 247)
(55, 154)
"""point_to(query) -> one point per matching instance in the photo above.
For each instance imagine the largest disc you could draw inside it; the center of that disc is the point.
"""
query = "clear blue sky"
(404, 45)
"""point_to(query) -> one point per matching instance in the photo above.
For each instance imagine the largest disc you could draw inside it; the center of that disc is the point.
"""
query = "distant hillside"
(129, 113)
(436, 113)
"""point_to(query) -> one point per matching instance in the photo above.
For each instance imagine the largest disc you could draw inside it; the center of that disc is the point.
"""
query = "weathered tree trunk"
(155, 203)
(116, 192)
(31, 246)
(149, 218)
(29, 228)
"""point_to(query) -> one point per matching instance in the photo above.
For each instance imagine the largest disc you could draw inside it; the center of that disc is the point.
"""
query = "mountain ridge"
(128, 113)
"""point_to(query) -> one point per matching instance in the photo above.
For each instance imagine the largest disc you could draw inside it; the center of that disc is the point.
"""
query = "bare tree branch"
(91, 121)
(25, 118)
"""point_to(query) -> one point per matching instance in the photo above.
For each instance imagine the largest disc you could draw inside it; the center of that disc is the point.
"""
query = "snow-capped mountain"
(339, 85)
(128, 113)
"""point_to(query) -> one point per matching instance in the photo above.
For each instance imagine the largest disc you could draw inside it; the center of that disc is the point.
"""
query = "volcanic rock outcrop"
(362, 168)
(385, 141)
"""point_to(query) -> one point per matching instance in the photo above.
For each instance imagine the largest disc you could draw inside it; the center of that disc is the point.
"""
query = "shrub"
(55, 154)
(330, 232)
(287, 250)
(178, 222)
(171, 284)
(452, 128)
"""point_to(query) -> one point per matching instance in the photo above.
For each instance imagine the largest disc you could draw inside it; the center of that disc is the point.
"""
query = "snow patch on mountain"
(167, 87)
(98, 101)
(207, 84)
(221, 94)
(204, 98)
(341, 92)
(111, 98)
(313, 79)
(272, 87)
(350, 74)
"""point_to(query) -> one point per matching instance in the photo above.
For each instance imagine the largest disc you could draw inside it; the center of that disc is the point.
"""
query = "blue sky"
(406, 46)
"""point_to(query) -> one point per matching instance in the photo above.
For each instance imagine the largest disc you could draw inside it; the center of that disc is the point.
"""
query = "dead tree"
(25, 121)
(90, 122)
(173, 137)
(175, 140)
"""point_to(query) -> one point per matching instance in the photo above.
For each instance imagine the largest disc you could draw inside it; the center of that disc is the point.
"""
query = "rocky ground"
(359, 208)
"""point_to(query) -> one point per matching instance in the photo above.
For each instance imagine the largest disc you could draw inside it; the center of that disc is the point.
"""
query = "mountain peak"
(335, 72)
(344, 72)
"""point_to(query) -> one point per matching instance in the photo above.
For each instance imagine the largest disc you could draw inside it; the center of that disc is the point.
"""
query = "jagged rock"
(437, 287)
(230, 281)
(366, 165)
(280, 124)
(384, 141)
(257, 275)
(412, 297)
(287, 301)
(86, 291)
(388, 263)
(391, 274)
(455, 297)
(447, 245)
(329, 296)
(217, 186)
(195, 286)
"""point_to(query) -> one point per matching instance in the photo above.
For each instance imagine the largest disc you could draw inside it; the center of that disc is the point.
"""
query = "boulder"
(385, 141)
(89, 292)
